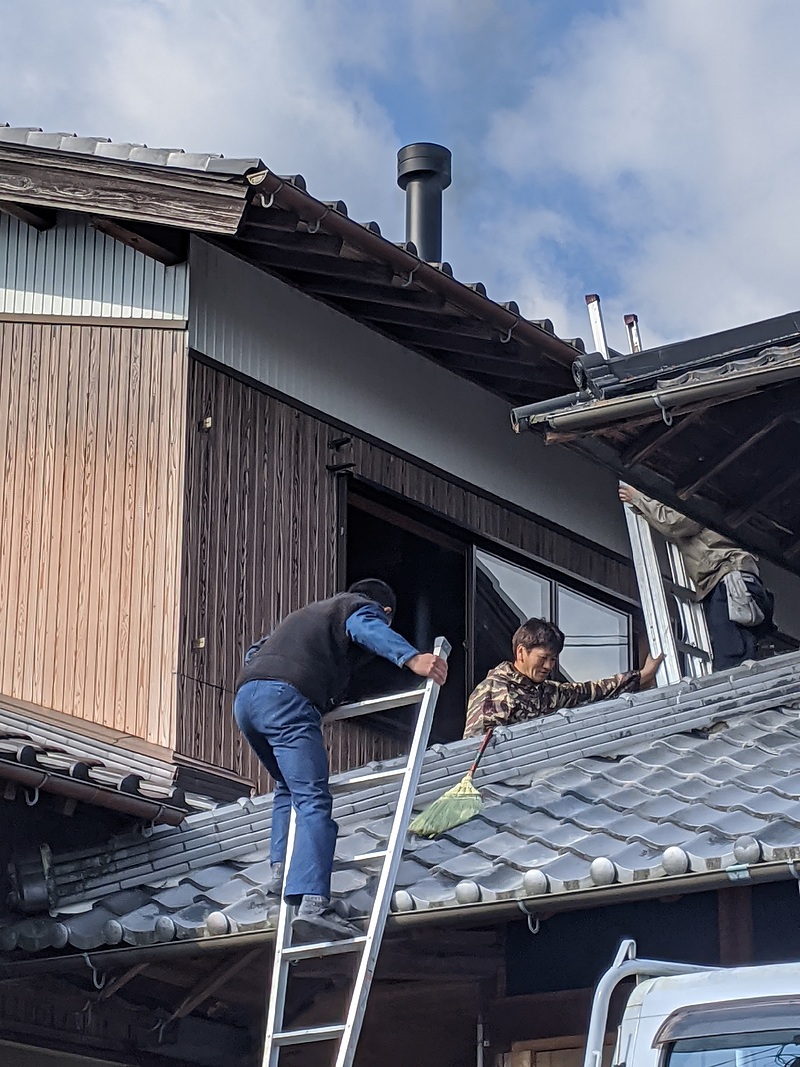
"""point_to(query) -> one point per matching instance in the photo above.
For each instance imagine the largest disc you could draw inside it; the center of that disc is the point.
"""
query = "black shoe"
(316, 920)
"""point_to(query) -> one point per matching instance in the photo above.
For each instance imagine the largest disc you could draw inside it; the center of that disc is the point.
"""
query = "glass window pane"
(596, 635)
(505, 596)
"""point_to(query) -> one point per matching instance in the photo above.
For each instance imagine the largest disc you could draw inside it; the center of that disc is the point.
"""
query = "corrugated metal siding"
(92, 447)
(261, 540)
(261, 327)
(73, 270)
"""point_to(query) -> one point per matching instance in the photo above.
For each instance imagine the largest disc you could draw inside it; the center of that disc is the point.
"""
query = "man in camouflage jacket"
(513, 692)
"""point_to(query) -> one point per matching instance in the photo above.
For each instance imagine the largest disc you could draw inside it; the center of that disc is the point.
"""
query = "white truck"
(682, 1015)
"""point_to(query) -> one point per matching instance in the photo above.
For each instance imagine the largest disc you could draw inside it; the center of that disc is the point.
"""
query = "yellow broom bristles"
(452, 808)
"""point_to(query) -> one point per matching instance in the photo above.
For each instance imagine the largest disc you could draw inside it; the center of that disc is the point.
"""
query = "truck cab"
(681, 1015)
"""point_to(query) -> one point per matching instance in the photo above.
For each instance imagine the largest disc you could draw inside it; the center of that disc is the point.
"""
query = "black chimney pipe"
(423, 171)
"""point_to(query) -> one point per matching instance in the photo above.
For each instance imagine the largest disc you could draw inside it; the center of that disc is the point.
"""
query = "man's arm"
(369, 627)
(672, 524)
(557, 695)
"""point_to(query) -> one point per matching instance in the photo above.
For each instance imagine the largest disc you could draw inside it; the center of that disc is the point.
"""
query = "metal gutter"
(462, 915)
(661, 400)
(156, 811)
(409, 266)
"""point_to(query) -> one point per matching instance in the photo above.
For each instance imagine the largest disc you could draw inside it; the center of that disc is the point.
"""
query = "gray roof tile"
(670, 800)
(134, 153)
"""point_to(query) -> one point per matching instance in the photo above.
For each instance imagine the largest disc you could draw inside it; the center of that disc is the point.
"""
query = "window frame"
(557, 579)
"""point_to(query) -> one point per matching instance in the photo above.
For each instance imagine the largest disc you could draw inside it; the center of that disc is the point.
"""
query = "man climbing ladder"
(287, 682)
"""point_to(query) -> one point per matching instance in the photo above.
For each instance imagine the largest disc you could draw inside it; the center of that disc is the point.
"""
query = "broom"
(454, 807)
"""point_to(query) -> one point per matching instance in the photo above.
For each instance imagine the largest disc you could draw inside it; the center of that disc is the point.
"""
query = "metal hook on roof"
(267, 203)
(507, 338)
(315, 227)
(410, 277)
(665, 415)
(98, 980)
(32, 798)
(534, 922)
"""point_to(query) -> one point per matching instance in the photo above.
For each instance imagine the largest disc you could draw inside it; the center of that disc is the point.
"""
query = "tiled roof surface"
(691, 778)
(34, 137)
(40, 753)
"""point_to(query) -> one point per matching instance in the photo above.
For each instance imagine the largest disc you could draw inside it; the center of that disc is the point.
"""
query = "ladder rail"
(391, 864)
(368, 945)
(653, 598)
(280, 970)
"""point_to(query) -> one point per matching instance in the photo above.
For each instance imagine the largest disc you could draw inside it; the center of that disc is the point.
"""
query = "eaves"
(170, 196)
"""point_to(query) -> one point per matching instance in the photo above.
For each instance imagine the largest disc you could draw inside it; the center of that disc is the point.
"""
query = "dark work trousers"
(731, 643)
(283, 729)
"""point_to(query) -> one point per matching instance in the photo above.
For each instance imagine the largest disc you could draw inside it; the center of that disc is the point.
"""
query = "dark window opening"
(597, 635)
(449, 581)
(427, 570)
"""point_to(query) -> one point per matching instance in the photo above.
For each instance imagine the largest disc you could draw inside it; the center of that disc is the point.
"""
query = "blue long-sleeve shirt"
(369, 627)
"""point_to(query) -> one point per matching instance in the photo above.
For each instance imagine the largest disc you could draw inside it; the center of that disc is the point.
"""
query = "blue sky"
(647, 150)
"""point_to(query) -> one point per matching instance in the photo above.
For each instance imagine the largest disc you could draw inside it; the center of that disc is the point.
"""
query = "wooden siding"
(261, 540)
(92, 447)
(74, 270)
(261, 514)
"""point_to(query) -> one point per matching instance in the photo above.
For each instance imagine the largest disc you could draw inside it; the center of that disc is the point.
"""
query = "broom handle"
(484, 745)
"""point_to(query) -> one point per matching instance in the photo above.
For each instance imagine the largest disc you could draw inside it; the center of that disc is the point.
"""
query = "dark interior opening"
(428, 571)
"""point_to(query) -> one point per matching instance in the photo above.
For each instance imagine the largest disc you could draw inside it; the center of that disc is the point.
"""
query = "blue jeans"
(283, 729)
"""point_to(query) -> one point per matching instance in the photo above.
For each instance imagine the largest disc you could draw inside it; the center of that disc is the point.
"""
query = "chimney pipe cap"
(424, 160)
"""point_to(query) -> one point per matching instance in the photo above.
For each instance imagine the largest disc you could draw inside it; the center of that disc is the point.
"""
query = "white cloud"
(649, 152)
(259, 77)
(675, 125)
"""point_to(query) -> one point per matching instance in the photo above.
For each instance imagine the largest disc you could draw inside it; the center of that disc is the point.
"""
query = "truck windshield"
(777, 1048)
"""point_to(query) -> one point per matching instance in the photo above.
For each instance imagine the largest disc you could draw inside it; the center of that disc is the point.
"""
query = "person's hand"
(627, 493)
(647, 675)
(426, 665)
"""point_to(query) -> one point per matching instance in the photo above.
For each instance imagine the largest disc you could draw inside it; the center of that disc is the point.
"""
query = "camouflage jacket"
(506, 696)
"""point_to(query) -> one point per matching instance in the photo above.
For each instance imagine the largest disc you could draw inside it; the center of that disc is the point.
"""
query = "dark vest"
(310, 650)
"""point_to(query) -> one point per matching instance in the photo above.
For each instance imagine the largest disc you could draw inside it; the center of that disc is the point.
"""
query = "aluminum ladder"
(366, 946)
(690, 653)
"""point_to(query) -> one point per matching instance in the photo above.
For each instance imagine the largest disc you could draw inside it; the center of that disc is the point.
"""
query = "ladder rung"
(309, 1034)
(367, 779)
(324, 948)
(373, 704)
(368, 857)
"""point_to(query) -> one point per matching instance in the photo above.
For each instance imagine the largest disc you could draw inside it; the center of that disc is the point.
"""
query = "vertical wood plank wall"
(261, 540)
(92, 446)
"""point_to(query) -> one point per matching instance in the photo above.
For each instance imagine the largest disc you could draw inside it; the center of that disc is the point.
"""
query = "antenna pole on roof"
(634, 337)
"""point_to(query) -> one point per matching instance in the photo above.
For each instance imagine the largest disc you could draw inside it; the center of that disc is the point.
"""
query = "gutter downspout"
(462, 914)
(407, 265)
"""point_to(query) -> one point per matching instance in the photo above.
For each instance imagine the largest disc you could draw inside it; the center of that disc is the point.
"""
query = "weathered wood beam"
(115, 984)
(709, 469)
(314, 259)
(735, 923)
(40, 218)
(659, 435)
(395, 295)
(756, 504)
(166, 246)
(281, 244)
(203, 990)
(206, 202)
